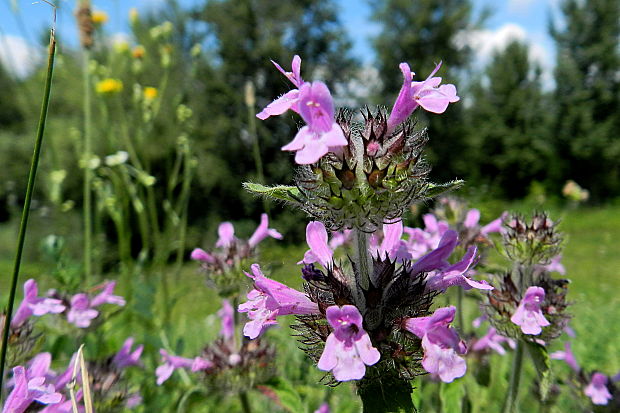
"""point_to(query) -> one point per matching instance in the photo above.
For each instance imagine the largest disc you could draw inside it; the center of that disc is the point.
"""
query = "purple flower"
(392, 245)
(428, 94)
(171, 363)
(597, 389)
(81, 313)
(320, 251)
(493, 226)
(263, 231)
(29, 388)
(348, 349)
(472, 218)
(200, 363)
(270, 299)
(437, 258)
(528, 314)
(226, 314)
(340, 238)
(324, 408)
(226, 233)
(556, 265)
(456, 274)
(106, 296)
(321, 133)
(566, 355)
(289, 100)
(441, 343)
(201, 255)
(492, 340)
(125, 357)
(34, 305)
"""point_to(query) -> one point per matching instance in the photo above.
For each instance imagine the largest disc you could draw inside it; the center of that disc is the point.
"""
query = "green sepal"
(286, 193)
(542, 362)
(434, 190)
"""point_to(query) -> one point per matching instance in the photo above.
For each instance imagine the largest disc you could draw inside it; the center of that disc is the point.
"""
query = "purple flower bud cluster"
(230, 253)
(38, 384)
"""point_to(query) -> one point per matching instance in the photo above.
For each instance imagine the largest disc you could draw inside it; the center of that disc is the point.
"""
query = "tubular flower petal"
(441, 343)
(226, 314)
(171, 363)
(492, 340)
(125, 357)
(568, 357)
(348, 349)
(456, 275)
(321, 133)
(106, 296)
(320, 251)
(597, 389)
(81, 313)
(34, 305)
(28, 389)
(288, 100)
(263, 231)
(270, 299)
(226, 233)
(528, 314)
(428, 94)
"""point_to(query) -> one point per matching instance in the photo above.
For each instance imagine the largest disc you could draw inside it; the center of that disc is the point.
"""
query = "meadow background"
(176, 84)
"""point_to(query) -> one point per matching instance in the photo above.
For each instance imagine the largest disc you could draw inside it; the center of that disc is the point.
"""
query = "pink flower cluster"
(313, 101)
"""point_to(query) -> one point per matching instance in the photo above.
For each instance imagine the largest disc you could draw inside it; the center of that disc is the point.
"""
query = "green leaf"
(451, 396)
(288, 396)
(434, 190)
(540, 356)
(284, 193)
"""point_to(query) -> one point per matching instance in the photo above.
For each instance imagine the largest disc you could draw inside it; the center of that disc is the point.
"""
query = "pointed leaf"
(542, 362)
(284, 193)
(434, 190)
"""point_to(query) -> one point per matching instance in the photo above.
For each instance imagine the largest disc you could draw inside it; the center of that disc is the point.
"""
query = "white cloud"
(487, 42)
(18, 56)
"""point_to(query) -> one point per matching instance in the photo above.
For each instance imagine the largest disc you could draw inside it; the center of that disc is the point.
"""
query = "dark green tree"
(509, 124)
(587, 94)
(423, 33)
(241, 37)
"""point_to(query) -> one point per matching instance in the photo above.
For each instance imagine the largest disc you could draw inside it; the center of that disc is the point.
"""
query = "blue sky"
(522, 19)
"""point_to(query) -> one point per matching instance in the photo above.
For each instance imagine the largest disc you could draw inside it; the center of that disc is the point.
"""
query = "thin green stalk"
(510, 404)
(26, 210)
(245, 402)
(459, 305)
(88, 173)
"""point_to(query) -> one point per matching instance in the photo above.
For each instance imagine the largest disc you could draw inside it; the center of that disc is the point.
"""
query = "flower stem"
(363, 259)
(26, 210)
(510, 404)
(88, 226)
(245, 402)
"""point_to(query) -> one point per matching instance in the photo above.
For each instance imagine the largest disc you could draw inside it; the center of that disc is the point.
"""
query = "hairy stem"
(363, 260)
(26, 210)
(510, 404)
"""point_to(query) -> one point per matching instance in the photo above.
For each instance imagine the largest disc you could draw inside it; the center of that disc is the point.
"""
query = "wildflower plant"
(369, 318)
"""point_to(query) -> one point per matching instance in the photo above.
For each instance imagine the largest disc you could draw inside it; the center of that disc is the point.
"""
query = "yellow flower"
(109, 86)
(138, 52)
(150, 93)
(99, 17)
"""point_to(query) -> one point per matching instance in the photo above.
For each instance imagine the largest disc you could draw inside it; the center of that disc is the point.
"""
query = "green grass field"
(591, 256)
